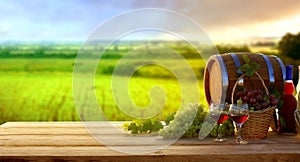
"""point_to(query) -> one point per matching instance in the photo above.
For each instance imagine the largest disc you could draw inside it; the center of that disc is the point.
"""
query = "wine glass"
(219, 113)
(297, 117)
(239, 114)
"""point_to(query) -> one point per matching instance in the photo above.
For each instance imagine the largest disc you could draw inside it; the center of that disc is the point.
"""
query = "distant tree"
(5, 51)
(289, 46)
(264, 44)
(116, 48)
(226, 49)
(39, 52)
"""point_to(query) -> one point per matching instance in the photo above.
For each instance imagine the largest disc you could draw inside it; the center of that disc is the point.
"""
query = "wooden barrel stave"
(221, 73)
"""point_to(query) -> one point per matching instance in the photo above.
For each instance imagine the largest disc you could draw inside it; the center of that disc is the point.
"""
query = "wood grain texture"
(70, 141)
(213, 75)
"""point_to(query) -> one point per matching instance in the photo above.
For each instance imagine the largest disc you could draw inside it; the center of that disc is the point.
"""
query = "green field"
(36, 79)
(40, 89)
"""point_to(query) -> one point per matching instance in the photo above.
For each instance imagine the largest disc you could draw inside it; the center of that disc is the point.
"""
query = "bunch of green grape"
(188, 121)
(143, 126)
(227, 129)
(182, 122)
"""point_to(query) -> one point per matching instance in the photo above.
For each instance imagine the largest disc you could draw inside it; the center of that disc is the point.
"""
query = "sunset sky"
(223, 20)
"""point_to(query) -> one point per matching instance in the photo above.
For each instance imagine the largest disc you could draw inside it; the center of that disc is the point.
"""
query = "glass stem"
(239, 137)
(219, 132)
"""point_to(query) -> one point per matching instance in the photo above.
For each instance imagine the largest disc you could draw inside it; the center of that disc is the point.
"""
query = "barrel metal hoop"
(237, 65)
(281, 66)
(225, 79)
(270, 68)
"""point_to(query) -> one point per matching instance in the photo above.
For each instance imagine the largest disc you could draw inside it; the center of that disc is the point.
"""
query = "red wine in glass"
(239, 119)
(219, 113)
(239, 113)
(220, 118)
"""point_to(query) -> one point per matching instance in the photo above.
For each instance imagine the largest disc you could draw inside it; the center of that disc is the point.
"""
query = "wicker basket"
(257, 125)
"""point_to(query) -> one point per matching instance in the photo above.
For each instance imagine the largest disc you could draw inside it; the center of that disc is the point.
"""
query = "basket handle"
(236, 83)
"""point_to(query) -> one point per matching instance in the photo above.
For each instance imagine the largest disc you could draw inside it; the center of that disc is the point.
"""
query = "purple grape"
(252, 101)
(274, 101)
(240, 94)
(272, 96)
(250, 94)
(259, 98)
(260, 92)
(245, 99)
(258, 106)
(264, 105)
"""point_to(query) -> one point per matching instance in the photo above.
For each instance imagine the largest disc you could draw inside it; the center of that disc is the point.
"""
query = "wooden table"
(70, 141)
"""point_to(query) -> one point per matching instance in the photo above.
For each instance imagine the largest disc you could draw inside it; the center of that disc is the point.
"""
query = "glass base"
(220, 140)
(241, 142)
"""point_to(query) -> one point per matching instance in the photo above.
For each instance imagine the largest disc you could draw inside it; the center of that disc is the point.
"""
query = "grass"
(40, 89)
(35, 89)
(263, 49)
(36, 97)
(29, 65)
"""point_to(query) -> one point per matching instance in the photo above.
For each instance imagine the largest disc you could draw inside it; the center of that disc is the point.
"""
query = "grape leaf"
(249, 73)
(249, 67)
(255, 66)
(282, 121)
(280, 103)
(245, 67)
(246, 58)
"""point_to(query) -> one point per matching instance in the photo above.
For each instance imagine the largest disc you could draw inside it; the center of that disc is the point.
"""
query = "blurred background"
(39, 42)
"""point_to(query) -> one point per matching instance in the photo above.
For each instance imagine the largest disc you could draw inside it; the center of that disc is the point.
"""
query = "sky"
(223, 20)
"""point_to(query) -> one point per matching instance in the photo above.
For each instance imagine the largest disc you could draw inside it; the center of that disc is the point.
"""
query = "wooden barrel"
(221, 73)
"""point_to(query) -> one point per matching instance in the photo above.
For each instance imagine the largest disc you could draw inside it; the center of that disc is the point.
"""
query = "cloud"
(218, 16)
(5, 29)
(235, 18)
(225, 18)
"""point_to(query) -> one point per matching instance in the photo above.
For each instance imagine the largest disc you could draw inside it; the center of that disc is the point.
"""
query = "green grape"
(189, 120)
(133, 128)
(143, 126)
(239, 102)
(157, 126)
(170, 118)
(125, 126)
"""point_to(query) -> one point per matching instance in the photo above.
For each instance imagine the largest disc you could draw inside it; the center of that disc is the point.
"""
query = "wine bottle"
(287, 123)
(298, 85)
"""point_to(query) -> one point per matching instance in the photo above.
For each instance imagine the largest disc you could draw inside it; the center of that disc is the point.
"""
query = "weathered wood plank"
(61, 124)
(172, 150)
(160, 158)
(58, 130)
(70, 141)
(114, 140)
(84, 142)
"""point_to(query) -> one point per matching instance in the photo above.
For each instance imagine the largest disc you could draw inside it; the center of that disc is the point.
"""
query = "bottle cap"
(289, 72)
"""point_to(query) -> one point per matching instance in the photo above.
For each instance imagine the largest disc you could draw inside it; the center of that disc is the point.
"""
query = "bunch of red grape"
(257, 99)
